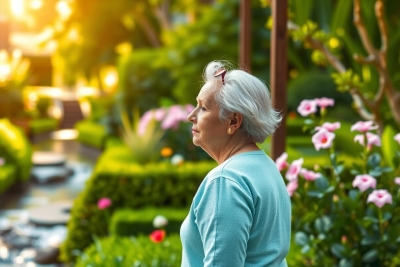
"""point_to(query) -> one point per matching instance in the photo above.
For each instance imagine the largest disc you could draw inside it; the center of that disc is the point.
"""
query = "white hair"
(245, 94)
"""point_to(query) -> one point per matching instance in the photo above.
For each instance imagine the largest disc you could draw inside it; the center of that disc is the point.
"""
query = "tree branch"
(148, 29)
(362, 31)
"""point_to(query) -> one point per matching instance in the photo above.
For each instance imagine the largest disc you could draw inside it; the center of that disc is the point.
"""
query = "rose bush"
(346, 213)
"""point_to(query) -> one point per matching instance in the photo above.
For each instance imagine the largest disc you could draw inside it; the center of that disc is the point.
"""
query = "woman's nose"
(191, 116)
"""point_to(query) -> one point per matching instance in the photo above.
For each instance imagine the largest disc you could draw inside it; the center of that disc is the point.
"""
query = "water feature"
(32, 217)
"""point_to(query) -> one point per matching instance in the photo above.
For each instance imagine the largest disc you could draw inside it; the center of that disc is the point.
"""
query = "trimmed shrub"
(91, 133)
(127, 222)
(128, 185)
(7, 177)
(15, 149)
(42, 125)
(132, 251)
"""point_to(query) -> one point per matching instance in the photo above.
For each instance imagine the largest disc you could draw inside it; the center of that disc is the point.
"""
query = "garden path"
(17, 204)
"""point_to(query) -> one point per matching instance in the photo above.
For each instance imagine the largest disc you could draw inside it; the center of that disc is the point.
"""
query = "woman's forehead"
(207, 92)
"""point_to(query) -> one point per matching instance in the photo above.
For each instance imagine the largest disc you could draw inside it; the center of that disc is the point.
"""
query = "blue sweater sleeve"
(224, 218)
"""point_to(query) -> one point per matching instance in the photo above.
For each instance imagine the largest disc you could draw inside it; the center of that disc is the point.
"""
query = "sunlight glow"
(67, 134)
(63, 9)
(36, 4)
(17, 7)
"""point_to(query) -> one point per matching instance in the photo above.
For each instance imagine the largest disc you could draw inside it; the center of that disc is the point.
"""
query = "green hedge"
(128, 185)
(128, 222)
(132, 251)
(7, 177)
(91, 133)
(15, 149)
(42, 125)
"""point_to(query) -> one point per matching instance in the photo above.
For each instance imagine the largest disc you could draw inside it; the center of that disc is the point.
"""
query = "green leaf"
(323, 224)
(322, 183)
(305, 249)
(301, 238)
(375, 172)
(329, 189)
(345, 263)
(389, 147)
(308, 122)
(387, 216)
(374, 160)
(370, 255)
(339, 169)
(316, 194)
(353, 194)
(369, 240)
(337, 250)
(370, 219)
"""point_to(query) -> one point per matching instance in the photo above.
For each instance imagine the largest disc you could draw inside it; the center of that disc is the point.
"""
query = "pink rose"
(322, 139)
(104, 203)
(397, 138)
(309, 175)
(329, 126)
(307, 107)
(364, 181)
(281, 162)
(363, 126)
(291, 187)
(324, 102)
(380, 197)
(294, 169)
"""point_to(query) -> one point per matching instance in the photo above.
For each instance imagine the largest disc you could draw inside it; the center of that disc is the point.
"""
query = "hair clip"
(222, 73)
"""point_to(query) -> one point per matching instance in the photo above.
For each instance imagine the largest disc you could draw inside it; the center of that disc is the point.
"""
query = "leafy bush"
(345, 213)
(15, 149)
(132, 251)
(127, 222)
(129, 184)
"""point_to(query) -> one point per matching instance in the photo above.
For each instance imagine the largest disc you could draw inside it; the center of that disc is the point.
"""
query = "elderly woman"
(240, 215)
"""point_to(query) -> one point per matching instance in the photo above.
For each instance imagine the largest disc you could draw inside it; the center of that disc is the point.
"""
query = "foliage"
(91, 133)
(339, 46)
(14, 73)
(127, 222)
(132, 251)
(15, 149)
(145, 146)
(337, 219)
(128, 184)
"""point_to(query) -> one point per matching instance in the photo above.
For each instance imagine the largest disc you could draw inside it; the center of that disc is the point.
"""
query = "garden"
(144, 60)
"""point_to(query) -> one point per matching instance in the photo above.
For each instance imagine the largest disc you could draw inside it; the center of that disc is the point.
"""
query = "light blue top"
(240, 216)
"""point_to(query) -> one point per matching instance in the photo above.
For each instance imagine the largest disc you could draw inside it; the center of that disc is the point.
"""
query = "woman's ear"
(236, 120)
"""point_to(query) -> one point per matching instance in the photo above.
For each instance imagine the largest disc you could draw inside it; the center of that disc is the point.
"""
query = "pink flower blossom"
(372, 139)
(397, 138)
(324, 102)
(309, 175)
(307, 107)
(189, 108)
(175, 115)
(329, 126)
(397, 180)
(380, 197)
(291, 187)
(364, 181)
(104, 203)
(322, 139)
(281, 162)
(294, 169)
(363, 126)
(2, 161)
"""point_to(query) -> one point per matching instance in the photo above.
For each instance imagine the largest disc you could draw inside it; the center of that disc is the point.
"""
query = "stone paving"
(32, 217)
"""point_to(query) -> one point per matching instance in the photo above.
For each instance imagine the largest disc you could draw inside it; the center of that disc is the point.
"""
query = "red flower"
(157, 236)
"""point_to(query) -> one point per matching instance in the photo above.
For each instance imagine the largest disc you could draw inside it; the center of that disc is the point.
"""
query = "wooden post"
(245, 35)
(278, 69)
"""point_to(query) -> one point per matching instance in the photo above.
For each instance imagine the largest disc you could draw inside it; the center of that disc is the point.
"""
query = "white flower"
(177, 159)
(160, 221)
